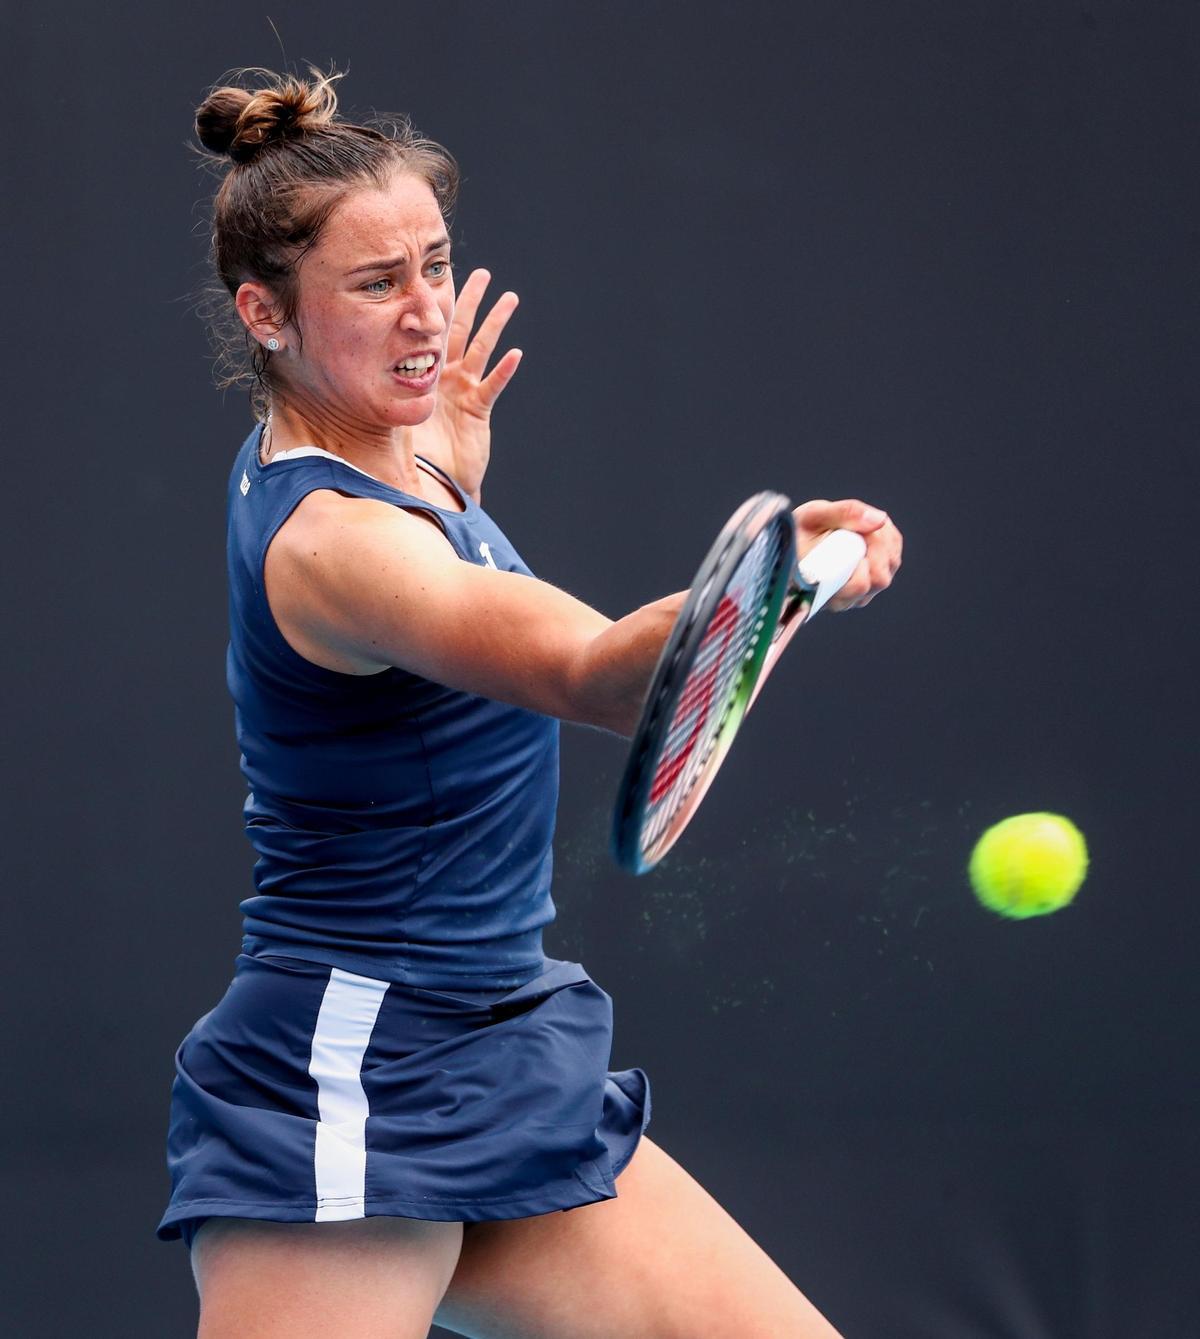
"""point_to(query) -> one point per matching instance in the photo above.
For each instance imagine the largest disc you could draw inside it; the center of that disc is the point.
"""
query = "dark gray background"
(941, 256)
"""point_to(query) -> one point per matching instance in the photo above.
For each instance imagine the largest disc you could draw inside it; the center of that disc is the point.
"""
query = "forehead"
(395, 219)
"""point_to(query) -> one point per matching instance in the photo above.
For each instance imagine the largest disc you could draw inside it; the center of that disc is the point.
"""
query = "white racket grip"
(828, 565)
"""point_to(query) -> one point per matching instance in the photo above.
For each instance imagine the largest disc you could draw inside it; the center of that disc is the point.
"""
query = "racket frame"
(675, 663)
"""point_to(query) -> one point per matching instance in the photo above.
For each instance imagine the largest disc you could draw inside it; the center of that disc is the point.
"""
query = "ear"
(257, 307)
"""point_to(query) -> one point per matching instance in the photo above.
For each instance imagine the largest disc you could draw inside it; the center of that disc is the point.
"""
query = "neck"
(387, 453)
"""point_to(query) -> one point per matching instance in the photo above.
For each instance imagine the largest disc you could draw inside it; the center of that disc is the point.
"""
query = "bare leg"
(661, 1261)
(368, 1278)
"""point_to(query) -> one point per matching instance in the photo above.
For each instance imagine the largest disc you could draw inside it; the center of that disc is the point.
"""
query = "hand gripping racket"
(746, 603)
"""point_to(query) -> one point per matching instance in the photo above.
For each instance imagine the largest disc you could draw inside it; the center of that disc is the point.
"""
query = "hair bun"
(240, 122)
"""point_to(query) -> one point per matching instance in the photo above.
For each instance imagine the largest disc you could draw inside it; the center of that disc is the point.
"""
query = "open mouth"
(416, 366)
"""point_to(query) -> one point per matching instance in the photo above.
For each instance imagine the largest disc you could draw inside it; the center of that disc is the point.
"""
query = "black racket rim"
(674, 663)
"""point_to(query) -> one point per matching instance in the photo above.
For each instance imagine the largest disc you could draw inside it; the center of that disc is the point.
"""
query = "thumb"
(848, 514)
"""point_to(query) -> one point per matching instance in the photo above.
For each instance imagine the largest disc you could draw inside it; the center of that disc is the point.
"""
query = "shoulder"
(334, 540)
(332, 566)
(325, 515)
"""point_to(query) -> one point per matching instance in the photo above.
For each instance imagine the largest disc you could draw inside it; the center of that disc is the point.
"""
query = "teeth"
(421, 363)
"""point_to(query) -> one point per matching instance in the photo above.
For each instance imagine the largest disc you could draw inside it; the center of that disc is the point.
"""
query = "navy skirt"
(313, 1094)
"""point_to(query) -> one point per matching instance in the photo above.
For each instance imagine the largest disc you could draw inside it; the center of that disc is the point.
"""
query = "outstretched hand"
(884, 545)
(458, 435)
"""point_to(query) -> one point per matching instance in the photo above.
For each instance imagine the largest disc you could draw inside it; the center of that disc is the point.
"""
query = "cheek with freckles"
(341, 352)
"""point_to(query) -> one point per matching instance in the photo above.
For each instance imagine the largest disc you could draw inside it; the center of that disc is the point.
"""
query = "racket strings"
(696, 700)
(714, 686)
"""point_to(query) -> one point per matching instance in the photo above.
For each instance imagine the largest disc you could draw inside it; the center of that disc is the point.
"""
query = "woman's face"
(375, 304)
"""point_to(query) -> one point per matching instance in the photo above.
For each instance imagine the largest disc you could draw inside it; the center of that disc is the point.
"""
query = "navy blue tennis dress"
(394, 1041)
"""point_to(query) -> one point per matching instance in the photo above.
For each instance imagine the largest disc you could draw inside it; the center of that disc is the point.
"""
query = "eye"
(439, 269)
(371, 287)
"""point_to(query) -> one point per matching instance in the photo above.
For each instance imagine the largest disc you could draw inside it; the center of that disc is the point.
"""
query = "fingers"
(876, 571)
(460, 346)
(849, 514)
(465, 307)
(499, 377)
(885, 546)
(480, 349)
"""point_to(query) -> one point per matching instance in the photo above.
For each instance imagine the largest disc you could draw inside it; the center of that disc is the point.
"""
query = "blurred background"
(941, 256)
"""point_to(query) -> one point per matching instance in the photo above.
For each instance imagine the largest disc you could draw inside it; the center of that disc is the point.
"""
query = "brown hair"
(290, 161)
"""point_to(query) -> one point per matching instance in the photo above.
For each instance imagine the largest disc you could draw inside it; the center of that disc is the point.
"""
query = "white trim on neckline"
(297, 451)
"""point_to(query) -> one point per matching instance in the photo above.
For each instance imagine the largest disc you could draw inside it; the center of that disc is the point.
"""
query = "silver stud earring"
(273, 344)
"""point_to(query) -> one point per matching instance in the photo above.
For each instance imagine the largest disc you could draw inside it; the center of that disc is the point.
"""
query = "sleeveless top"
(403, 828)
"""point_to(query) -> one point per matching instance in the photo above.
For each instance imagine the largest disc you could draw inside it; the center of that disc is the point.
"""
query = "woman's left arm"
(457, 437)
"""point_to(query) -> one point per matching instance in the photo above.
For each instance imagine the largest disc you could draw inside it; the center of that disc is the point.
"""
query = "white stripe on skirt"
(346, 1019)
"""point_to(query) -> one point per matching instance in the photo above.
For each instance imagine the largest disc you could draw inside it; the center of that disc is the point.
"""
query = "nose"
(422, 314)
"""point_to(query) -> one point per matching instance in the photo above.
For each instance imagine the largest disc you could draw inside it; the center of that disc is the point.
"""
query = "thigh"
(661, 1261)
(367, 1278)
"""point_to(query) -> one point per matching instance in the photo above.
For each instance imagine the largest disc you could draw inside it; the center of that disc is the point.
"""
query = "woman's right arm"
(359, 585)
(355, 582)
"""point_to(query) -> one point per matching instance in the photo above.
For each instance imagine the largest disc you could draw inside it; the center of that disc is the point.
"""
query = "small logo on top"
(245, 484)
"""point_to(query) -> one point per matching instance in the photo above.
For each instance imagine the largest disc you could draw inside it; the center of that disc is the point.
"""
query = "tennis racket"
(746, 603)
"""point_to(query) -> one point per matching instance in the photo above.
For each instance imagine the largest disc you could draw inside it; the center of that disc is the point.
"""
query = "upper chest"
(427, 483)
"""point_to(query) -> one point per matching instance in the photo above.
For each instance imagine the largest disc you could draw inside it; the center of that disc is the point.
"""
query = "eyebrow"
(398, 262)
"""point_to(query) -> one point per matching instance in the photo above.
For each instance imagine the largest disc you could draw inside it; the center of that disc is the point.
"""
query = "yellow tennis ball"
(1028, 865)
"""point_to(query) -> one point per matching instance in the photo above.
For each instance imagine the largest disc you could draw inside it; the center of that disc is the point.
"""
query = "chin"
(412, 413)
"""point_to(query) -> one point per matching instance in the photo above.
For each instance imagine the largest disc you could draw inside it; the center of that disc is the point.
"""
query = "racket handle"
(823, 570)
(829, 564)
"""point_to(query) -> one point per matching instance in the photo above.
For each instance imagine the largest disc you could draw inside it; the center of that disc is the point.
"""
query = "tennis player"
(378, 1124)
